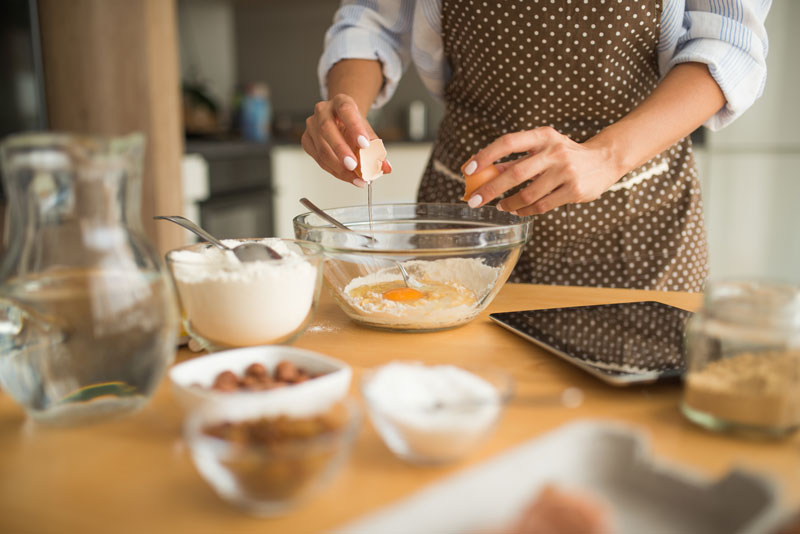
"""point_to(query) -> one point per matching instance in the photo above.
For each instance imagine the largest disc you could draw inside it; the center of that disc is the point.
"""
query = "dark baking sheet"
(620, 343)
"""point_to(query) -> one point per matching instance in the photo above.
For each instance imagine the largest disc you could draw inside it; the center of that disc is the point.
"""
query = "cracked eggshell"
(370, 161)
(477, 179)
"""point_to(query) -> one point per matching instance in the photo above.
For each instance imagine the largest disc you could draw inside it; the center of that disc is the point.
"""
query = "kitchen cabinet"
(295, 174)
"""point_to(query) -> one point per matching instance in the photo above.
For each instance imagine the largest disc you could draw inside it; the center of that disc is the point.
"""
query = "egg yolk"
(402, 294)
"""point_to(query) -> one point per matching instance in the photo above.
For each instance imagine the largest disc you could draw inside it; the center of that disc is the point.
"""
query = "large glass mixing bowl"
(457, 258)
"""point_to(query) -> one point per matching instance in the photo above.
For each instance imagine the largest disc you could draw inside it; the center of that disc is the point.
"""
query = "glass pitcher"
(87, 317)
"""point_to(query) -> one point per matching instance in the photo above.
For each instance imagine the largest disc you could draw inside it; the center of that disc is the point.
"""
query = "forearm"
(685, 99)
(361, 79)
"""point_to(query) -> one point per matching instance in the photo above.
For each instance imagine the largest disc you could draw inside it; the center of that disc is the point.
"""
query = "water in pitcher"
(82, 344)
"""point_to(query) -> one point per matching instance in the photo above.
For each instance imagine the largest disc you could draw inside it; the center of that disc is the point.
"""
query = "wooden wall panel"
(111, 68)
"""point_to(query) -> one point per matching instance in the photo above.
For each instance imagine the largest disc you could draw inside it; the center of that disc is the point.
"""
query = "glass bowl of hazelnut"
(268, 463)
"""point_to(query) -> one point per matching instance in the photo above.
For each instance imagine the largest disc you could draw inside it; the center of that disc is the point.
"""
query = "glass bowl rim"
(32, 140)
(520, 222)
(193, 430)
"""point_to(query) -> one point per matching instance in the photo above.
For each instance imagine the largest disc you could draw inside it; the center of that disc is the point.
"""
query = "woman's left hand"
(559, 171)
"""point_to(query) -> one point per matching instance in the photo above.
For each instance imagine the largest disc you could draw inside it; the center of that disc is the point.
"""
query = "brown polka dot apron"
(578, 66)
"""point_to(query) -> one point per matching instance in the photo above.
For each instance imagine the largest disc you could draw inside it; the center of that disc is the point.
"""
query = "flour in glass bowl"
(453, 291)
(231, 303)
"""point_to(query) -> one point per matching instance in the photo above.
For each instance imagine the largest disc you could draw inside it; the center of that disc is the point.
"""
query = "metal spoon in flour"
(313, 207)
(244, 252)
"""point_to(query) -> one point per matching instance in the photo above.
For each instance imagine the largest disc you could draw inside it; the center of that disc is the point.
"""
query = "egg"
(477, 179)
(370, 161)
(402, 294)
(394, 295)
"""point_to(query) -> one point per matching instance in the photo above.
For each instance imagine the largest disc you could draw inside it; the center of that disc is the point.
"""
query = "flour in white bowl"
(237, 304)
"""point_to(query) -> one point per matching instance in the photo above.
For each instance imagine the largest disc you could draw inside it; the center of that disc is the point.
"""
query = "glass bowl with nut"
(267, 463)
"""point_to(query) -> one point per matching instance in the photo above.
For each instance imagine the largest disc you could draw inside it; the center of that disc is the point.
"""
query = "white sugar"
(440, 411)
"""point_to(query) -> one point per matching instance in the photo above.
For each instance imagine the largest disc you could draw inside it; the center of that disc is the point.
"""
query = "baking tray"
(608, 461)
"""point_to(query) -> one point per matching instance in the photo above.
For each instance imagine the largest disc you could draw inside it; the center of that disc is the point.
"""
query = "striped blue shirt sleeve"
(727, 35)
(370, 29)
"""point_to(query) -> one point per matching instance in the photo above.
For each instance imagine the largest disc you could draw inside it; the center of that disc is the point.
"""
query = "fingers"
(357, 131)
(323, 128)
(308, 145)
(333, 135)
(326, 159)
(559, 197)
(541, 186)
(505, 145)
(514, 174)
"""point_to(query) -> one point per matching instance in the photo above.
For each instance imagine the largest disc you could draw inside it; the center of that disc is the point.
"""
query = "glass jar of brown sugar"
(743, 359)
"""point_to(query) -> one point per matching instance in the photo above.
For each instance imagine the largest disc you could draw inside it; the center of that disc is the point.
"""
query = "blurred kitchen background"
(223, 87)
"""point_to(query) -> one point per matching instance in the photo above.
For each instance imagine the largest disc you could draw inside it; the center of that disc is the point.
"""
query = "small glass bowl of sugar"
(433, 414)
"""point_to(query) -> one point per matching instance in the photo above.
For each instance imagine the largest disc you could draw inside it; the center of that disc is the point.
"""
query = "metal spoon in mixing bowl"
(313, 207)
(244, 252)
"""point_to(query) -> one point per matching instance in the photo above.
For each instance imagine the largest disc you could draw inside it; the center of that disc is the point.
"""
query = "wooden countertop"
(134, 475)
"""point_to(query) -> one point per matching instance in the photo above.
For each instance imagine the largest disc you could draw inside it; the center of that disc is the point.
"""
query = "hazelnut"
(302, 377)
(286, 371)
(226, 381)
(256, 370)
(252, 383)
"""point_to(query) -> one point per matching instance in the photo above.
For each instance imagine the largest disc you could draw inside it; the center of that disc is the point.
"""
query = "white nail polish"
(363, 142)
(349, 163)
(470, 168)
(475, 201)
(358, 182)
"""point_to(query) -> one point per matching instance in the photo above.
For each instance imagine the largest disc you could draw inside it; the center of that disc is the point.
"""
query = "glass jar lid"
(771, 305)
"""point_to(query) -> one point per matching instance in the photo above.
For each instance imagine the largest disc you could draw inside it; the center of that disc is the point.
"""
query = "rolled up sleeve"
(729, 36)
(370, 29)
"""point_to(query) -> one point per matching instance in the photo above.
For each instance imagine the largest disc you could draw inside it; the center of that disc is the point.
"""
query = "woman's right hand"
(334, 134)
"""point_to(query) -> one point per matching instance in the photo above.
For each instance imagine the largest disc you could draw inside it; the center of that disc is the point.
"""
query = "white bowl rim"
(317, 251)
(245, 353)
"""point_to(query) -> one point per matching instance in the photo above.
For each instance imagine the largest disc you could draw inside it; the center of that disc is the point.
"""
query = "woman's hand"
(559, 171)
(334, 133)
(562, 171)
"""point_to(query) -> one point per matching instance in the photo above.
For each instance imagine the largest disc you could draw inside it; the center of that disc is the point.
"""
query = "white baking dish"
(608, 461)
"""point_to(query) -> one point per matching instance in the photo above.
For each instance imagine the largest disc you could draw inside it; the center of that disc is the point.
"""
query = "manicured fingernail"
(363, 142)
(499, 208)
(349, 163)
(470, 168)
(358, 182)
(475, 201)
(390, 165)
(513, 212)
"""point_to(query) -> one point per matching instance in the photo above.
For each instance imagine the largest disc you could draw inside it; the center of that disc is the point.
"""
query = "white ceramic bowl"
(192, 380)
